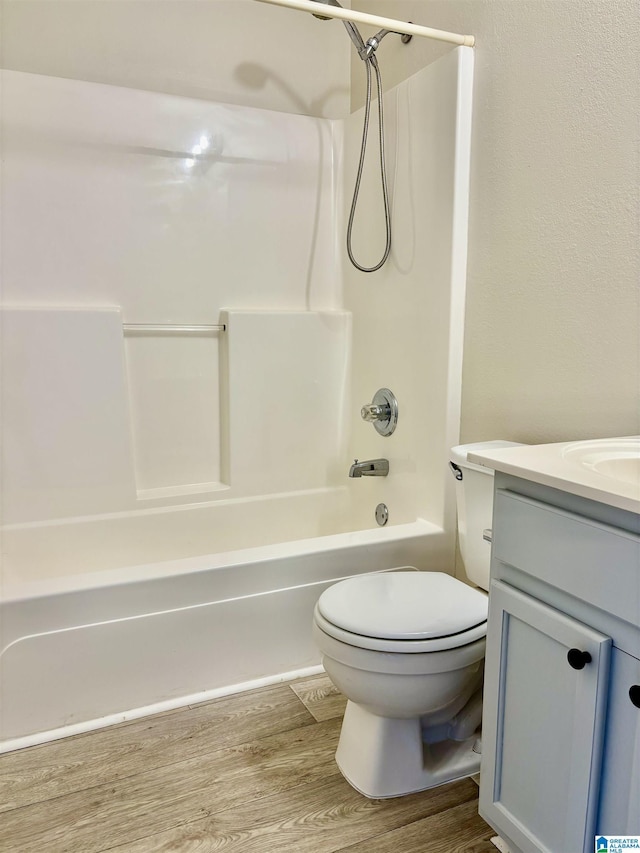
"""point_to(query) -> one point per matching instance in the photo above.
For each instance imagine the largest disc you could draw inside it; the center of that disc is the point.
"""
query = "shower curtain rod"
(374, 20)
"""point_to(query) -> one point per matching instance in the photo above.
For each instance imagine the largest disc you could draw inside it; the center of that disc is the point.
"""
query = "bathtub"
(109, 618)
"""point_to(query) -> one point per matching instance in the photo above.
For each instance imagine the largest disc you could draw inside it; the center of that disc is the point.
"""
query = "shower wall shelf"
(401, 27)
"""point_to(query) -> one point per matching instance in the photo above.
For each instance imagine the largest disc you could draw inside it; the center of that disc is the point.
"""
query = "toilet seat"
(403, 612)
(440, 644)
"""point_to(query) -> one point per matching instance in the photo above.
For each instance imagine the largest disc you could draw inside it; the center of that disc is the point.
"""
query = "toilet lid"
(403, 605)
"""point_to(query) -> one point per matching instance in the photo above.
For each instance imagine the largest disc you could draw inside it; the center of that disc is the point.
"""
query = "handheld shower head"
(351, 28)
(326, 3)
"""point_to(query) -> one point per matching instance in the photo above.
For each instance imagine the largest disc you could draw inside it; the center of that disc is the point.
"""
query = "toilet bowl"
(407, 650)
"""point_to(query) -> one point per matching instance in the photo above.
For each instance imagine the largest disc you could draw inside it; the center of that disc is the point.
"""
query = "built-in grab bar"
(166, 327)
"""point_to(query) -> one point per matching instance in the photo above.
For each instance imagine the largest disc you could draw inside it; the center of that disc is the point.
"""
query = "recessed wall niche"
(174, 400)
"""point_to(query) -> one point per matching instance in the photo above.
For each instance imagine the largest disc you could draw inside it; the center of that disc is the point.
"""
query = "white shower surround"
(122, 601)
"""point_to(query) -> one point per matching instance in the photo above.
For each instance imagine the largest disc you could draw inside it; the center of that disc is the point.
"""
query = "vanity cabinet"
(548, 730)
(620, 786)
(561, 732)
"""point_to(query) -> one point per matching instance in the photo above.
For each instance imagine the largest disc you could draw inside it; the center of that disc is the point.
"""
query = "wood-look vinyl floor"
(251, 773)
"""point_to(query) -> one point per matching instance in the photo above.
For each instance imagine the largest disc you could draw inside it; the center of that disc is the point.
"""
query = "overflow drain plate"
(382, 514)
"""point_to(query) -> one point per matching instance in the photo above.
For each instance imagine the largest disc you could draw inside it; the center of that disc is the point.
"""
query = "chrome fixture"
(350, 27)
(370, 468)
(382, 515)
(366, 52)
(382, 412)
(365, 49)
(405, 38)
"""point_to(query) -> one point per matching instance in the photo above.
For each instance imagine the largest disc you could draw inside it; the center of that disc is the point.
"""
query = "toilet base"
(383, 757)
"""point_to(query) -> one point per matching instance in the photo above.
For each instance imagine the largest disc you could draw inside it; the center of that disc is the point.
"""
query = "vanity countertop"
(605, 470)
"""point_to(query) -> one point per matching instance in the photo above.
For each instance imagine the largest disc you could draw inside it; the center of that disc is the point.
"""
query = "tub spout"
(370, 468)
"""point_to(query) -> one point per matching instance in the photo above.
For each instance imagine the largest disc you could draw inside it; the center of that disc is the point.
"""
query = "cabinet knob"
(634, 694)
(578, 659)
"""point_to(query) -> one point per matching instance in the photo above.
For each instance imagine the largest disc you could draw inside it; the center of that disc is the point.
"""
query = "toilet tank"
(474, 498)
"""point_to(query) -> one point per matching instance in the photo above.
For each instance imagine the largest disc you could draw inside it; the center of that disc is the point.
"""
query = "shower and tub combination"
(183, 374)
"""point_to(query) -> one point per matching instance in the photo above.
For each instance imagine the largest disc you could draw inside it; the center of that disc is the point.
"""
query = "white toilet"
(407, 648)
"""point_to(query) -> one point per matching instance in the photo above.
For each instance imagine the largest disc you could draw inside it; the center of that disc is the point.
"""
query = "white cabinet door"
(620, 792)
(543, 724)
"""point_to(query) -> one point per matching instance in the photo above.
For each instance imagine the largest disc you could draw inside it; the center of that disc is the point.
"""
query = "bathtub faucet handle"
(375, 413)
(382, 411)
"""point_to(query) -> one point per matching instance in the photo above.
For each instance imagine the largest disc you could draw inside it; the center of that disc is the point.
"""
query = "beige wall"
(552, 332)
(233, 51)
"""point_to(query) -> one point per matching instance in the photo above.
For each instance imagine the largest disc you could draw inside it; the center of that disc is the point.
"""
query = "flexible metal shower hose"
(371, 61)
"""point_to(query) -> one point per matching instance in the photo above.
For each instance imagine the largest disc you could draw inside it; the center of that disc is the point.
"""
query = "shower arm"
(400, 27)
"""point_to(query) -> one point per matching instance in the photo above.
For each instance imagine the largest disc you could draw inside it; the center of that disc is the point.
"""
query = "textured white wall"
(230, 51)
(552, 339)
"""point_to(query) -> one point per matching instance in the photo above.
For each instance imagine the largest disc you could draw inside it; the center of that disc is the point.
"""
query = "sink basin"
(616, 458)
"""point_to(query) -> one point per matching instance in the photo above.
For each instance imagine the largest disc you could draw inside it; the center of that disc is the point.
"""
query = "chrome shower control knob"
(382, 411)
(375, 413)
